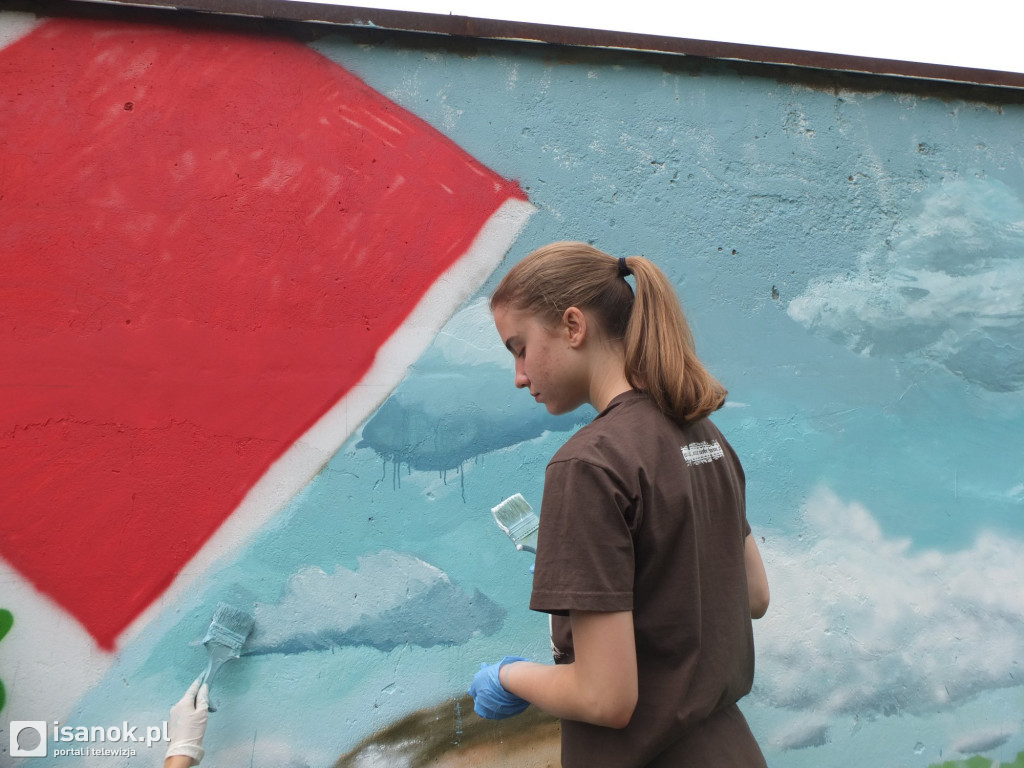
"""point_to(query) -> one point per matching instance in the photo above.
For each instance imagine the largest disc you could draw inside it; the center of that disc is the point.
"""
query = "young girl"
(645, 558)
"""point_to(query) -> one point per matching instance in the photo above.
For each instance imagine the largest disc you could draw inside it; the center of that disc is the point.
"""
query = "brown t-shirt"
(641, 515)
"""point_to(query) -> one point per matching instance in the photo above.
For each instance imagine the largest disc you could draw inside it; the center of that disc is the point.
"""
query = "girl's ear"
(574, 323)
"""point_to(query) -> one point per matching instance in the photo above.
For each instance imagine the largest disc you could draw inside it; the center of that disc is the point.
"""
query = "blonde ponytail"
(660, 354)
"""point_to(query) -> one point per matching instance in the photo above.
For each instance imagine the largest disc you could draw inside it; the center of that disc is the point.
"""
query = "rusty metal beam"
(469, 27)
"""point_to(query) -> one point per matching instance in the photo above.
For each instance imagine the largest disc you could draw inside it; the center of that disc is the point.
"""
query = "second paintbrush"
(517, 519)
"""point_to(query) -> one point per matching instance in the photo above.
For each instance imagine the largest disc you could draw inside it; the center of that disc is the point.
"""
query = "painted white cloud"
(390, 600)
(984, 740)
(950, 288)
(863, 624)
(808, 731)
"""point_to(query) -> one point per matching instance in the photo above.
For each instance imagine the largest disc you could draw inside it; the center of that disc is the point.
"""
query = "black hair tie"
(624, 270)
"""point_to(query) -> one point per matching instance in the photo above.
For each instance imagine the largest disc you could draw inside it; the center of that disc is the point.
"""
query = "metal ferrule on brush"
(221, 635)
(523, 527)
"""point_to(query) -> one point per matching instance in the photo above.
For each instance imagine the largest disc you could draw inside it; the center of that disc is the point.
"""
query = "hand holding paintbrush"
(224, 640)
(187, 724)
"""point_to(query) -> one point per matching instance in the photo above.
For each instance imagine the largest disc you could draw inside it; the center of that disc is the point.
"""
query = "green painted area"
(980, 762)
(6, 622)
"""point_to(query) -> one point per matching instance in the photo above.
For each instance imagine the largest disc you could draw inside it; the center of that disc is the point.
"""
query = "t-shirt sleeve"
(741, 480)
(585, 557)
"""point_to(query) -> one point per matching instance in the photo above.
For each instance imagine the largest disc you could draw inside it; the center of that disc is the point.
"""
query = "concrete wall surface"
(247, 358)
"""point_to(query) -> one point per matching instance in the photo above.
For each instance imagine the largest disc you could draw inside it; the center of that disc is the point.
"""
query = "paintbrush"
(224, 639)
(516, 518)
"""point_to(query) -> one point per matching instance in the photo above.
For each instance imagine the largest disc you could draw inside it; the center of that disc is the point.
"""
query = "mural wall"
(247, 357)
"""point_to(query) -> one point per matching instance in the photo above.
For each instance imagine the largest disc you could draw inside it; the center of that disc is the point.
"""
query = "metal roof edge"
(515, 31)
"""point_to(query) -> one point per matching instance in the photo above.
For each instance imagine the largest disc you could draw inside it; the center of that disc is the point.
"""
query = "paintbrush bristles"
(230, 627)
(512, 510)
(235, 619)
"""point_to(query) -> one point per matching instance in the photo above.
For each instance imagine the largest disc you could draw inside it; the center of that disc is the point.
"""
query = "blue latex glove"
(490, 699)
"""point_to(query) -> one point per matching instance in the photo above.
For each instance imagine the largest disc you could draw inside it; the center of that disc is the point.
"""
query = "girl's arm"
(600, 687)
(757, 579)
(178, 761)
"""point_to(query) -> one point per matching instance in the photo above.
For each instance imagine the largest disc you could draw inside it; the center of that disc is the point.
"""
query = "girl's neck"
(608, 379)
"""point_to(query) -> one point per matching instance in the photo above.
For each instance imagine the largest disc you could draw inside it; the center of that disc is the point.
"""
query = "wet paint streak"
(206, 238)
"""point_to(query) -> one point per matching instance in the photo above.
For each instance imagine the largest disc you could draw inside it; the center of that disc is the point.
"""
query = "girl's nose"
(522, 380)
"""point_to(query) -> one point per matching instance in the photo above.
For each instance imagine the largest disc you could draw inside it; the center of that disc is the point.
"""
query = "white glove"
(187, 725)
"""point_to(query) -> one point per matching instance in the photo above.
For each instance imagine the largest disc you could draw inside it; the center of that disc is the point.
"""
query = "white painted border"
(14, 25)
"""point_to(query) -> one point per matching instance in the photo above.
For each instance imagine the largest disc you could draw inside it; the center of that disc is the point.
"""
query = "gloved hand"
(490, 699)
(187, 725)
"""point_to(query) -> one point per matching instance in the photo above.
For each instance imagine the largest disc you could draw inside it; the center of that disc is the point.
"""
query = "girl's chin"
(559, 410)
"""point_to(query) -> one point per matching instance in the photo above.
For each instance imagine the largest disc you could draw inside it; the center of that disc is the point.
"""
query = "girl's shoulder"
(634, 431)
(627, 427)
